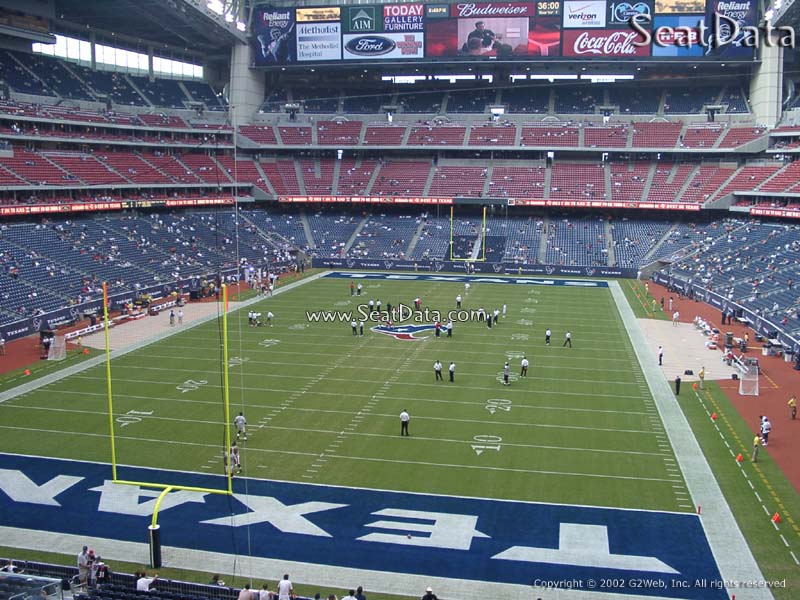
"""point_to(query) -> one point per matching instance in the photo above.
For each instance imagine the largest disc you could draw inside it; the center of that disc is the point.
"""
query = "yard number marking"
(495, 404)
(489, 442)
(190, 385)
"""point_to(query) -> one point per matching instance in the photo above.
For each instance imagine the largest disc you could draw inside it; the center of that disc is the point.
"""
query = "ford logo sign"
(374, 45)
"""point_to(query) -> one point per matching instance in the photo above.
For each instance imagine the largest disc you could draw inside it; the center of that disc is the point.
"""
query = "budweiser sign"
(492, 9)
(605, 42)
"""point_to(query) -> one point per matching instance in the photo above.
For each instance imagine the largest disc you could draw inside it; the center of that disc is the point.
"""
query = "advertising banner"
(319, 41)
(489, 30)
(621, 13)
(679, 6)
(604, 43)
(437, 11)
(581, 15)
(274, 36)
(437, 266)
(677, 35)
(360, 19)
(593, 29)
(726, 34)
(402, 17)
(318, 14)
(384, 46)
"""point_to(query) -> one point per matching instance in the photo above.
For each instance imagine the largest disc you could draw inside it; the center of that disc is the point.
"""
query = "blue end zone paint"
(467, 279)
(332, 533)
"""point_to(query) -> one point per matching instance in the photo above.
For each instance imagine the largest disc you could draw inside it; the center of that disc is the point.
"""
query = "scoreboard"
(507, 31)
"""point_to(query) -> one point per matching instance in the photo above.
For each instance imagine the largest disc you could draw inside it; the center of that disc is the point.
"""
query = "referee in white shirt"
(404, 419)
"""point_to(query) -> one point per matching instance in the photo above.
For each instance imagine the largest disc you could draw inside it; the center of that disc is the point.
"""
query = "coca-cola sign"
(465, 10)
(602, 43)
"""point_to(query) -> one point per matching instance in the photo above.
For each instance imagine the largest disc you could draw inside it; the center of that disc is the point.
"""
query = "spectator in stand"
(263, 593)
(285, 588)
(215, 580)
(350, 595)
(429, 595)
(246, 593)
(11, 568)
(360, 595)
(84, 564)
(145, 583)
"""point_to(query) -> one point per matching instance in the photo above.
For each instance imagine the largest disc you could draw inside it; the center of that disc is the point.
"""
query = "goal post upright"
(168, 487)
(451, 233)
(226, 395)
(108, 385)
(483, 241)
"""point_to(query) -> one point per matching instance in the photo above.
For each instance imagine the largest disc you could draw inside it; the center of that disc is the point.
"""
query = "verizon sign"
(465, 10)
(602, 43)
(581, 14)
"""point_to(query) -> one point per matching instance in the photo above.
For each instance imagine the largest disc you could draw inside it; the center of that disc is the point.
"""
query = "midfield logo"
(404, 332)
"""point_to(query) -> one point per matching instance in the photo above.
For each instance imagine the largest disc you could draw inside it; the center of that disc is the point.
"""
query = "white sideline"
(730, 549)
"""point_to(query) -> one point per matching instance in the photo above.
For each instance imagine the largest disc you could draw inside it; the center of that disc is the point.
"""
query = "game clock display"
(548, 8)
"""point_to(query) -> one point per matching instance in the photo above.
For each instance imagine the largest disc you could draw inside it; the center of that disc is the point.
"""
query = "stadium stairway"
(337, 167)
(648, 182)
(354, 237)
(415, 238)
(33, 75)
(130, 82)
(548, 176)
(609, 235)
(607, 182)
(298, 173)
(307, 230)
(687, 183)
(476, 248)
(264, 177)
(541, 256)
(373, 178)
(657, 246)
(427, 190)
(486, 187)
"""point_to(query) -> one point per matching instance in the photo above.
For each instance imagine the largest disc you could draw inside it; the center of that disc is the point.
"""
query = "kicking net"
(748, 382)
(58, 348)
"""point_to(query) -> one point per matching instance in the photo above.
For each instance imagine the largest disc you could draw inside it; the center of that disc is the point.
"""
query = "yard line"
(348, 380)
(470, 442)
(505, 469)
(139, 439)
(539, 353)
(323, 365)
(378, 393)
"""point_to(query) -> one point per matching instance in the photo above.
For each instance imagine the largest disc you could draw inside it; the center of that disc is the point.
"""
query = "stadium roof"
(186, 25)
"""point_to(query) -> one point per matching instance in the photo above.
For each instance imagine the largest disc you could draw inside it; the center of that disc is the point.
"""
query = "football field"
(566, 474)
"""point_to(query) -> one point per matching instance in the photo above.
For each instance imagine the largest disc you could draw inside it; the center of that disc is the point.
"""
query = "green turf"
(577, 430)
